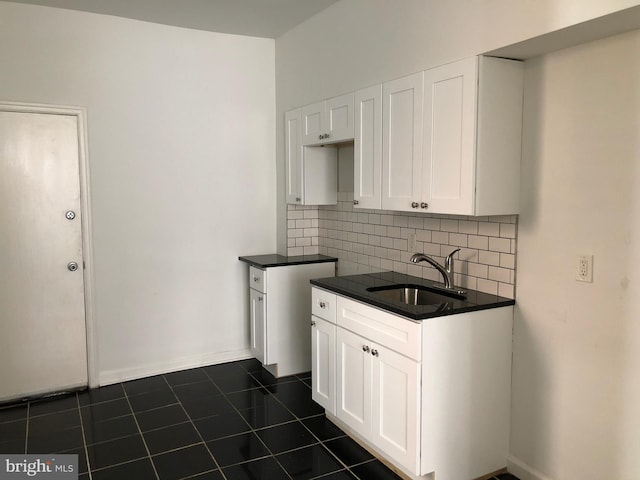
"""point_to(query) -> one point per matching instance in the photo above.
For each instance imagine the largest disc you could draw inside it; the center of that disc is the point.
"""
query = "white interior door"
(43, 345)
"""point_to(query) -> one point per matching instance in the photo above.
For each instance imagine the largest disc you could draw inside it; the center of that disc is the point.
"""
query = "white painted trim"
(115, 376)
(523, 471)
(85, 207)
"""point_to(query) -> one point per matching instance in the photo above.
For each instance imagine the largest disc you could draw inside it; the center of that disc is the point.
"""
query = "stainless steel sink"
(411, 294)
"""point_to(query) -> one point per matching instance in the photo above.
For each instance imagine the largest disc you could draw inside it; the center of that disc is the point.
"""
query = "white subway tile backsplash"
(378, 240)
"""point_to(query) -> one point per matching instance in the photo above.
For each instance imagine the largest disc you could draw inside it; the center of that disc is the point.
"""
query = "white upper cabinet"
(293, 157)
(452, 139)
(311, 172)
(402, 143)
(329, 121)
(472, 133)
(367, 158)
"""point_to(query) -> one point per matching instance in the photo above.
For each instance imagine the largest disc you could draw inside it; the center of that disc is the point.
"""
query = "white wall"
(357, 43)
(181, 151)
(576, 387)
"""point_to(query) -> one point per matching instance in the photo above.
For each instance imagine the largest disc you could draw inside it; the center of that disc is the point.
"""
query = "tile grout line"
(84, 439)
(251, 429)
(193, 424)
(144, 442)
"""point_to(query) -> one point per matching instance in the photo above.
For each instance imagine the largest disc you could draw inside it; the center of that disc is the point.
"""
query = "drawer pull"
(374, 352)
(322, 304)
(365, 348)
(256, 279)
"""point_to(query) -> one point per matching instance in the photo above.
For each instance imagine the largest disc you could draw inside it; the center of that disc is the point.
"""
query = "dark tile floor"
(231, 421)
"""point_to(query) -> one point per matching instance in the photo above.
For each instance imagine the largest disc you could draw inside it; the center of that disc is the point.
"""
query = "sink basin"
(411, 294)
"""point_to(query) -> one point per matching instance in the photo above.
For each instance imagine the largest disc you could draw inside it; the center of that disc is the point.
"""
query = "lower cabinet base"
(283, 370)
(388, 463)
(375, 452)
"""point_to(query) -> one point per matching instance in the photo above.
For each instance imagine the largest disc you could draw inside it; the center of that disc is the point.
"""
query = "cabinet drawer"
(323, 304)
(396, 333)
(258, 279)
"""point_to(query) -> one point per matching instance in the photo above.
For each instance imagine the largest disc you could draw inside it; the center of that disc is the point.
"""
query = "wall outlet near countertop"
(584, 268)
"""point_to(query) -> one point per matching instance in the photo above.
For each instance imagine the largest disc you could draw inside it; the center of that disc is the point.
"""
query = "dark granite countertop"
(355, 287)
(275, 260)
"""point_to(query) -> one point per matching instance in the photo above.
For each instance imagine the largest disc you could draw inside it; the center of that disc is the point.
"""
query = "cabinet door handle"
(297, 199)
(356, 202)
(322, 304)
(424, 205)
(260, 299)
(414, 204)
(320, 137)
(365, 348)
(313, 324)
(326, 135)
(255, 279)
(374, 352)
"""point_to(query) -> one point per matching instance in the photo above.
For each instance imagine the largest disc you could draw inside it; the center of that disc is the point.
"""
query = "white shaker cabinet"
(311, 172)
(323, 349)
(402, 143)
(328, 121)
(367, 159)
(378, 372)
(280, 297)
(472, 131)
(452, 139)
(430, 396)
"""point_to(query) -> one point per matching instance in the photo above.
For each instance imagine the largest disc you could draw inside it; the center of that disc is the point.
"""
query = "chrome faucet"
(446, 271)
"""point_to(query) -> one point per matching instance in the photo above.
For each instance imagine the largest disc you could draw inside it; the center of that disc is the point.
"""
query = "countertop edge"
(503, 302)
(283, 261)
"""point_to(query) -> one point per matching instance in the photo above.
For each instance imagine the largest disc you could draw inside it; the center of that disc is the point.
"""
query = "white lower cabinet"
(279, 299)
(378, 388)
(258, 314)
(431, 397)
(323, 363)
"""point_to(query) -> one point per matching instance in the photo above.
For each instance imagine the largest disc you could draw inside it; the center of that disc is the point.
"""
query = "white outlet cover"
(584, 268)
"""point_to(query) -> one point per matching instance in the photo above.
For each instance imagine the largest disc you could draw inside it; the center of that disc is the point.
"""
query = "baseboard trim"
(523, 471)
(110, 377)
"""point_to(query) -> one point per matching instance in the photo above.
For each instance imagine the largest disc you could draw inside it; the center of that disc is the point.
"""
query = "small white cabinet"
(402, 140)
(367, 157)
(323, 349)
(279, 300)
(311, 172)
(328, 121)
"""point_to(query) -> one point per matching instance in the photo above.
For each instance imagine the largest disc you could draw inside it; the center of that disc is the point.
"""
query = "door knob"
(70, 215)
(72, 266)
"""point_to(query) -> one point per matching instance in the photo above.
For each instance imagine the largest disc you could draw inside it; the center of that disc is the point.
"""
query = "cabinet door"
(353, 389)
(367, 159)
(293, 157)
(323, 363)
(402, 143)
(339, 118)
(258, 314)
(395, 406)
(450, 99)
(312, 124)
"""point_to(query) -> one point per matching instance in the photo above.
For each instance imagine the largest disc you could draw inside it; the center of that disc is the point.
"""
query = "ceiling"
(256, 18)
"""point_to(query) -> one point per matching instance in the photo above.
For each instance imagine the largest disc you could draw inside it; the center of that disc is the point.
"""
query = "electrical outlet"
(412, 242)
(584, 268)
